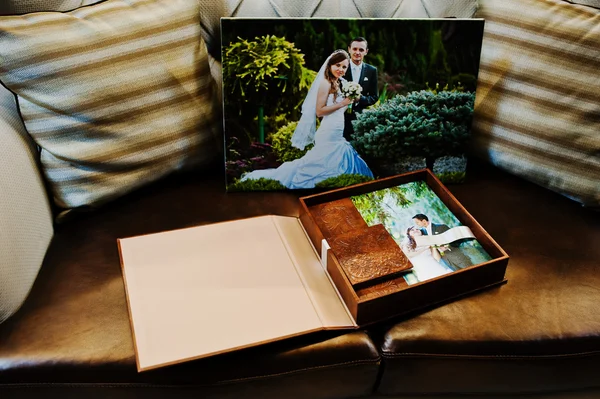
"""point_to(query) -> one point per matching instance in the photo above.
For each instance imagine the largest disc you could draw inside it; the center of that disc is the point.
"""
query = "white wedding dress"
(425, 266)
(331, 156)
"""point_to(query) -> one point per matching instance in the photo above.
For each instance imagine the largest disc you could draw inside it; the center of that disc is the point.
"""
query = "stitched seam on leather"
(530, 357)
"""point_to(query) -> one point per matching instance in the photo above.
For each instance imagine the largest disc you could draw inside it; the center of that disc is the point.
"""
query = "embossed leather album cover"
(369, 255)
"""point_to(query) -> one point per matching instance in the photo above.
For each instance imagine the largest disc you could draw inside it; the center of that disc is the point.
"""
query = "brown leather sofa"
(536, 337)
(539, 334)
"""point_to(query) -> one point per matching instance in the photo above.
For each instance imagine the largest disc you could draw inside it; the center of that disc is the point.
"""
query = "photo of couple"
(369, 110)
(433, 239)
(332, 155)
(431, 261)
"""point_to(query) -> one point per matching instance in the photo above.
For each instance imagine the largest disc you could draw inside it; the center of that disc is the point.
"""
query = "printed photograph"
(325, 103)
(430, 235)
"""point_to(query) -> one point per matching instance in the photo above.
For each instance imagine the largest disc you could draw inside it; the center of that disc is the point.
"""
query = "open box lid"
(211, 289)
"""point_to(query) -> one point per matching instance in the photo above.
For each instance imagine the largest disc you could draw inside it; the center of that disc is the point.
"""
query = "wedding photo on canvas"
(327, 103)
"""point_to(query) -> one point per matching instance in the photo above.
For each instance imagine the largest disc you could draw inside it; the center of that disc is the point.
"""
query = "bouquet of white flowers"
(351, 90)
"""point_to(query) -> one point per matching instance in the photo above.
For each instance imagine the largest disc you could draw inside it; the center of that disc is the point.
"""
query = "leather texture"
(74, 327)
(534, 334)
(539, 332)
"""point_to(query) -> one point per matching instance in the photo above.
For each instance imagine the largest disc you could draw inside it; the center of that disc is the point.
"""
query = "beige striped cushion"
(537, 111)
(116, 94)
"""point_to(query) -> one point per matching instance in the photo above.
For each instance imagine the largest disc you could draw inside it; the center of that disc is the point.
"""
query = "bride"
(425, 259)
(331, 155)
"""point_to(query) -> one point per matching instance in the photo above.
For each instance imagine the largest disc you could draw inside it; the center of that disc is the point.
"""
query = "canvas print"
(428, 233)
(323, 103)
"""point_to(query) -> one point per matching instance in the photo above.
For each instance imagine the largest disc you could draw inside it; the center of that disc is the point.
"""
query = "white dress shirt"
(356, 70)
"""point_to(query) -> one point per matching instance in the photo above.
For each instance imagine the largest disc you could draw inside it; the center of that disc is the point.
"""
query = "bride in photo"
(425, 259)
(332, 155)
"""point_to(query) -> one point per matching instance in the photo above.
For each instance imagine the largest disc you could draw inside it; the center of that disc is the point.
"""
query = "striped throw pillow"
(115, 94)
(537, 111)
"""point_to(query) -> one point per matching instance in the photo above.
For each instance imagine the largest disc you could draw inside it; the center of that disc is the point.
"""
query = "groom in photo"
(363, 74)
(453, 255)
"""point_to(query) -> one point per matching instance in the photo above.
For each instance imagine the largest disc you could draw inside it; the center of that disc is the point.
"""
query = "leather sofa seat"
(538, 332)
(73, 330)
(535, 334)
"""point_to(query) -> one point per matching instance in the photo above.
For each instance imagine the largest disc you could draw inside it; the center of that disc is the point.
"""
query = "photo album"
(399, 243)
(432, 238)
(370, 118)
(327, 103)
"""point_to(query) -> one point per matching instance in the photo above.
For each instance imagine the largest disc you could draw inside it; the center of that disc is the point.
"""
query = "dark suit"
(454, 258)
(439, 228)
(369, 95)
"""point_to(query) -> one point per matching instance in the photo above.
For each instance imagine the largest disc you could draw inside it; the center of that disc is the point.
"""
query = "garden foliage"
(282, 144)
(253, 67)
(422, 123)
(266, 72)
(261, 184)
(343, 181)
(242, 158)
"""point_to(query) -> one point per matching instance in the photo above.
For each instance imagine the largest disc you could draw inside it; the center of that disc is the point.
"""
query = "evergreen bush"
(421, 123)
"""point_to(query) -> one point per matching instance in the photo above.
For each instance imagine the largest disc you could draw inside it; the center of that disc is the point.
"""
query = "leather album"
(353, 257)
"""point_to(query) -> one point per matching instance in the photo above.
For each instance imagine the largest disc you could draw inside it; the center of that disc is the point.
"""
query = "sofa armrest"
(25, 214)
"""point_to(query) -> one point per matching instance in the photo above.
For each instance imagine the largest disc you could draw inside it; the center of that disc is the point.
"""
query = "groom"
(453, 255)
(363, 74)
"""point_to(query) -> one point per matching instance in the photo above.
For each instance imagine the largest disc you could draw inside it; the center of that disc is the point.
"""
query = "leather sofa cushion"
(539, 332)
(74, 326)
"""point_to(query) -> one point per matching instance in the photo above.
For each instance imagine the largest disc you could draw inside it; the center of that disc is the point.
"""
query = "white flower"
(351, 90)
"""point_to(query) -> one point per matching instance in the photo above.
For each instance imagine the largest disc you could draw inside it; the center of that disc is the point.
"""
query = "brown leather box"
(394, 297)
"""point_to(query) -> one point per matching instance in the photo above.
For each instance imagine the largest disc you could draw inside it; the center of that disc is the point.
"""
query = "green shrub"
(342, 181)
(282, 144)
(268, 70)
(250, 66)
(261, 184)
(263, 76)
(422, 123)
(273, 123)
